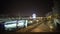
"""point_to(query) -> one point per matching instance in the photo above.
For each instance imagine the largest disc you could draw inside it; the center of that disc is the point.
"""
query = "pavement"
(29, 28)
(38, 27)
(41, 28)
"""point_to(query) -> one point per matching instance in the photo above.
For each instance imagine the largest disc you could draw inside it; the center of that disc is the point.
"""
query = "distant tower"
(34, 16)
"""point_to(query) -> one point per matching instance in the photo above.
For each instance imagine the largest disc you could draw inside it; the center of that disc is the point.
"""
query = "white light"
(21, 23)
(51, 26)
(34, 16)
(10, 26)
(26, 24)
(13, 24)
(10, 22)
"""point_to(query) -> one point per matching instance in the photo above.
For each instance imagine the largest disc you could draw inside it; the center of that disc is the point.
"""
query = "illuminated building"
(34, 16)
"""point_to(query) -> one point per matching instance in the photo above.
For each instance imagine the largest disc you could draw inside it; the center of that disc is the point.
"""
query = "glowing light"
(51, 26)
(30, 17)
(10, 26)
(31, 21)
(10, 22)
(37, 20)
(21, 23)
(26, 24)
(34, 16)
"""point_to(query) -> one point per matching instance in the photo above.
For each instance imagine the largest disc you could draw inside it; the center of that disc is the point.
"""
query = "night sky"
(25, 7)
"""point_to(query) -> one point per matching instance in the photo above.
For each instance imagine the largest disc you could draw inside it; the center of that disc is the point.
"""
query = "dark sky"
(25, 7)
